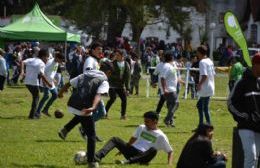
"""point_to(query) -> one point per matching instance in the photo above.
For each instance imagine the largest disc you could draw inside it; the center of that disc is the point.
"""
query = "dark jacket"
(115, 81)
(244, 102)
(197, 153)
(86, 90)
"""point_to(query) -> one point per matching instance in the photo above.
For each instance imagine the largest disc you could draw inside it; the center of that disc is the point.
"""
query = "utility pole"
(4, 11)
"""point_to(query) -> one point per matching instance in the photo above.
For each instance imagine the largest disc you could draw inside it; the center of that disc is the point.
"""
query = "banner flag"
(234, 30)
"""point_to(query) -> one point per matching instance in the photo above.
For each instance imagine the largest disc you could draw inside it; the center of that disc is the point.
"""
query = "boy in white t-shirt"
(143, 145)
(206, 85)
(34, 71)
(50, 72)
(169, 81)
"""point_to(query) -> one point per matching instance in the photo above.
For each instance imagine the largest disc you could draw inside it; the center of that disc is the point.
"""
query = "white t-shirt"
(158, 71)
(34, 67)
(169, 73)
(151, 138)
(3, 70)
(50, 71)
(102, 89)
(206, 67)
(90, 63)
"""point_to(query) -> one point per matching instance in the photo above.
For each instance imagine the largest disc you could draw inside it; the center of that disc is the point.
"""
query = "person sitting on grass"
(142, 146)
(198, 152)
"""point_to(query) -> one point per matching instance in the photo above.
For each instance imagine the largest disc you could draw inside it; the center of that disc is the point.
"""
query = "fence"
(221, 83)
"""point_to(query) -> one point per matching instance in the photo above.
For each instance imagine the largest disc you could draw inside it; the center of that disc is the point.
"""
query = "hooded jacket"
(86, 90)
(244, 102)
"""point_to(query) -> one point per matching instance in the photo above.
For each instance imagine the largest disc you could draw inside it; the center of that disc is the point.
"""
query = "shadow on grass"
(55, 140)
(113, 164)
(17, 86)
(131, 126)
(177, 132)
(14, 117)
(36, 165)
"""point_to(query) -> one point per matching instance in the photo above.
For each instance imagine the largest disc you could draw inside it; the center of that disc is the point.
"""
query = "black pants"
(130, 153)
(34, 90)
(2, 82)
(112, 95)
(160, 104)
(74, 121)
(88, 125)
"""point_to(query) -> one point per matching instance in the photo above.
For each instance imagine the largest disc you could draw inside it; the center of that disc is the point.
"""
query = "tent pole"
(65, 51)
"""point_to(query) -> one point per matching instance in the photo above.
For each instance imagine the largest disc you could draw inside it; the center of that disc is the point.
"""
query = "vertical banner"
(233, 28)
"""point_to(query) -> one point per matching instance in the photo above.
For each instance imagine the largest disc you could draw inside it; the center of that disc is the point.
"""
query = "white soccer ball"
(80, 158)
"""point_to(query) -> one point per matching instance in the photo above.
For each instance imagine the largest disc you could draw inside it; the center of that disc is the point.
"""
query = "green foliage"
(35, 143)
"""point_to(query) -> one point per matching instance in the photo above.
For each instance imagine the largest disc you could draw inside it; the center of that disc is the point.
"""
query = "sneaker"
(121, 162)
(84, 136)
(34, 117)
(98, 139)
(105, 117)
(46, 113)
(63, 133)
(169, 123)
(123, 118)
(93, 165)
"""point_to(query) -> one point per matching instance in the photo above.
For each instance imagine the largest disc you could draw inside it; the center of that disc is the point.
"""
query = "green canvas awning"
(73, 37)
(36, 26)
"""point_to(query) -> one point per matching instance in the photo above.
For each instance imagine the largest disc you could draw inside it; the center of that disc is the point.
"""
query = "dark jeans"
(88, 125)
(112, 95)
(171, 101)
(16, 74)
(191, 86)
(203, 109)
(34, 90)
(130, 153)
(54, 95)
(160, 104)
(219, 163)
(2, 82)
(134, 84)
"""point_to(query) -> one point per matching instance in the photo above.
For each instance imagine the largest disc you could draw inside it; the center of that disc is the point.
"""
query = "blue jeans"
(203, 108)
(100, 111)
(45, 97)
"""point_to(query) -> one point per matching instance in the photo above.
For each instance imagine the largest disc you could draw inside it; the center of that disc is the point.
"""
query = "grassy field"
(35, 143)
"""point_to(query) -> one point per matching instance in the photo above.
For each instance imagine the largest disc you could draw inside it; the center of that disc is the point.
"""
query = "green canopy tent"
(73, 37)
(36, 26)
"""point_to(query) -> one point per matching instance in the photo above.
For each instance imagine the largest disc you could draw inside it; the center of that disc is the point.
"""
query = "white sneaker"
(93, 165)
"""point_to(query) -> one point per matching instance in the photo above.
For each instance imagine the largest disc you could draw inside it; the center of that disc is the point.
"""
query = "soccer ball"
(80, 158)
(58, 113)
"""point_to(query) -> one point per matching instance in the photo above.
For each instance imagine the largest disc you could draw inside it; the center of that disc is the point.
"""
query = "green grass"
(34, 143)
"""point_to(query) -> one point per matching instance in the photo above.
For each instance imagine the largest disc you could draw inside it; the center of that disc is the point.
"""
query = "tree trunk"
(116, 24)
(137, 31)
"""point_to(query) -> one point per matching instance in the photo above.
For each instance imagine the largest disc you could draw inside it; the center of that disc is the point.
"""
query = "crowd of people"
(98, 70)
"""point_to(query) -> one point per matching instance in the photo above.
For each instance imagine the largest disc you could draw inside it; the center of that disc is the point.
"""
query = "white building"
(163, 31)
